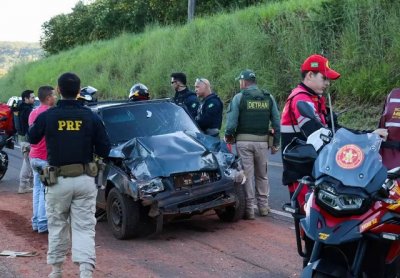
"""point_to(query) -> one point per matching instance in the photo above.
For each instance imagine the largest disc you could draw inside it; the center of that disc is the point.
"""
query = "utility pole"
(191, 8)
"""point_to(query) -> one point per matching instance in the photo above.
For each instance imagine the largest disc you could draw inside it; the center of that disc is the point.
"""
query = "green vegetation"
(106, 19)
(360, 38)
(12, 53)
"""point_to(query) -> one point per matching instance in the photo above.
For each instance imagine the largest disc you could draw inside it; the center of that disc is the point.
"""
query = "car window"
(13, 101)
(148, 119)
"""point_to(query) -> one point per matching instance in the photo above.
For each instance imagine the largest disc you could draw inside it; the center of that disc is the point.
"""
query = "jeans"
(39, 219)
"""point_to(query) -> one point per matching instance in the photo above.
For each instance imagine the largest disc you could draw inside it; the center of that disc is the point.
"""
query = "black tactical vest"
(254, 112)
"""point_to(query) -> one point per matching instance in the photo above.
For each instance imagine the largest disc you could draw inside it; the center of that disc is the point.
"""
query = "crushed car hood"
(164, 155)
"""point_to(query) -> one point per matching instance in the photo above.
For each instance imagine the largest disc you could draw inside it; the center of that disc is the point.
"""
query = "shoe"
(86, 274)
(25, 190)
(55, 274)
(56, 271)
(249, 214)
(86, 270)
(264, 211)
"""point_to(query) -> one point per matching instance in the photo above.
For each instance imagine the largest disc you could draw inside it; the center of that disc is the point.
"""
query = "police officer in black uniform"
(183, 96)
(209, 114)
(73, 134)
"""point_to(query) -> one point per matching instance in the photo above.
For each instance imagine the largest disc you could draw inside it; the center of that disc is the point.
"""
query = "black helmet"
(139, 92)
(88, 94)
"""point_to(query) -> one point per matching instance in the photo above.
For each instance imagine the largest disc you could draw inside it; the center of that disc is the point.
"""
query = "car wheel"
(123, 215)
(234, 212)
(3, 163)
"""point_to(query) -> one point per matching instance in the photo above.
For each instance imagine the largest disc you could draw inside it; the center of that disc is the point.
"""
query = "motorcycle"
(352, 212)
(5, 141)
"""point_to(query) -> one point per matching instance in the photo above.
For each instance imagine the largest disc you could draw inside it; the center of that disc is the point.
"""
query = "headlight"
(153, 186)
(328, 197)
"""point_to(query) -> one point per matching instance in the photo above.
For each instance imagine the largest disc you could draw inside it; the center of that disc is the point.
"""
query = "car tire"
(123, 215)
(234, 212)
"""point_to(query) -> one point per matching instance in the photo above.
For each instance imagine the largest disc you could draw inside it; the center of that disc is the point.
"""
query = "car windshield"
(124, 123)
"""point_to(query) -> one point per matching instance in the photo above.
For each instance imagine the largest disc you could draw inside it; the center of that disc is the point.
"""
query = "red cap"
(320, 64)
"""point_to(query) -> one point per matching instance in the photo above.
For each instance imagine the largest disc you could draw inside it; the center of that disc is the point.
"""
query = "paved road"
(199, 247)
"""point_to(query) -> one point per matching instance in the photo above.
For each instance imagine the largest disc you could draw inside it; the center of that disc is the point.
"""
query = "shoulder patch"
(194, 105)
(210, 105)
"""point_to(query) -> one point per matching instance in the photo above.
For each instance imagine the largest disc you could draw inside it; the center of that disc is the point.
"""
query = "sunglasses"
(202, 80)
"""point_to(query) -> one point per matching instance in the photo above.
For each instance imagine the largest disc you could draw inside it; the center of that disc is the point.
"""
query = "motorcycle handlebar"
(302, 182)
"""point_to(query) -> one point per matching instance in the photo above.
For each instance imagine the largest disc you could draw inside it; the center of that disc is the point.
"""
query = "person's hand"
(274, 149)
(229, 139)
(382, 132)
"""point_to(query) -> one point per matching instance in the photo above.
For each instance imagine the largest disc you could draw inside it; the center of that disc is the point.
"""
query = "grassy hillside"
(360, 37)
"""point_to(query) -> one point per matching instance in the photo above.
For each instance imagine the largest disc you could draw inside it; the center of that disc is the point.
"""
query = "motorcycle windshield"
(351, 158)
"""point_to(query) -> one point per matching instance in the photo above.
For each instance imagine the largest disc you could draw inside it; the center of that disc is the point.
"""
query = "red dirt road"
(200, 247)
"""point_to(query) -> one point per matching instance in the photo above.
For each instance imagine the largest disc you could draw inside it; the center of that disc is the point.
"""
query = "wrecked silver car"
(161, 167)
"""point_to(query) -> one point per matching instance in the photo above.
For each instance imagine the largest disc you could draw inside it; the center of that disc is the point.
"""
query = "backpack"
(6, 119)
(390, 119)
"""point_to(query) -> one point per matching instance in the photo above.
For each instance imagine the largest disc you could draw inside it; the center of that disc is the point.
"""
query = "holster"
(270, 139)
(101, 167)
(48, 175)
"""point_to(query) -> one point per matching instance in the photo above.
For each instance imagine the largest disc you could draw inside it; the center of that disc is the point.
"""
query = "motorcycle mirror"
(394, 173)
(306, 110)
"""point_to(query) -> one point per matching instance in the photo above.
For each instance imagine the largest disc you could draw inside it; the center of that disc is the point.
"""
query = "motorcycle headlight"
(153, 186)
(328, 198)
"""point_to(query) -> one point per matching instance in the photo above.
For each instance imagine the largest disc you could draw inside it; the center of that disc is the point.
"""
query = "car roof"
(14, 99)
(100, 105)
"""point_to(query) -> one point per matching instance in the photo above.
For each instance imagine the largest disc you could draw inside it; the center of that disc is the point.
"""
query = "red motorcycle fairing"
(322, 226)
(393, 252)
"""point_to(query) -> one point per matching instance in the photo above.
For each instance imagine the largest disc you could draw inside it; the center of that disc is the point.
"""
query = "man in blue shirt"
(209, 114)
(183, 96)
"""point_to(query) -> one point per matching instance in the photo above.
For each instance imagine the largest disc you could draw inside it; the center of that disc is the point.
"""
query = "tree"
(191, 8)
(105, 19)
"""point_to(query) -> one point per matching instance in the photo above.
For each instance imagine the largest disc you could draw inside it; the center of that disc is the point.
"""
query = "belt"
(75, 170)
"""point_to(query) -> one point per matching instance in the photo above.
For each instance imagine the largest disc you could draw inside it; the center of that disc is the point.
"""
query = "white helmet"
(88, 94)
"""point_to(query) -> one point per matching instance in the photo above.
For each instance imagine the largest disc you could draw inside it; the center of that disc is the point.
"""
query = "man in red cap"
(316, 75)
